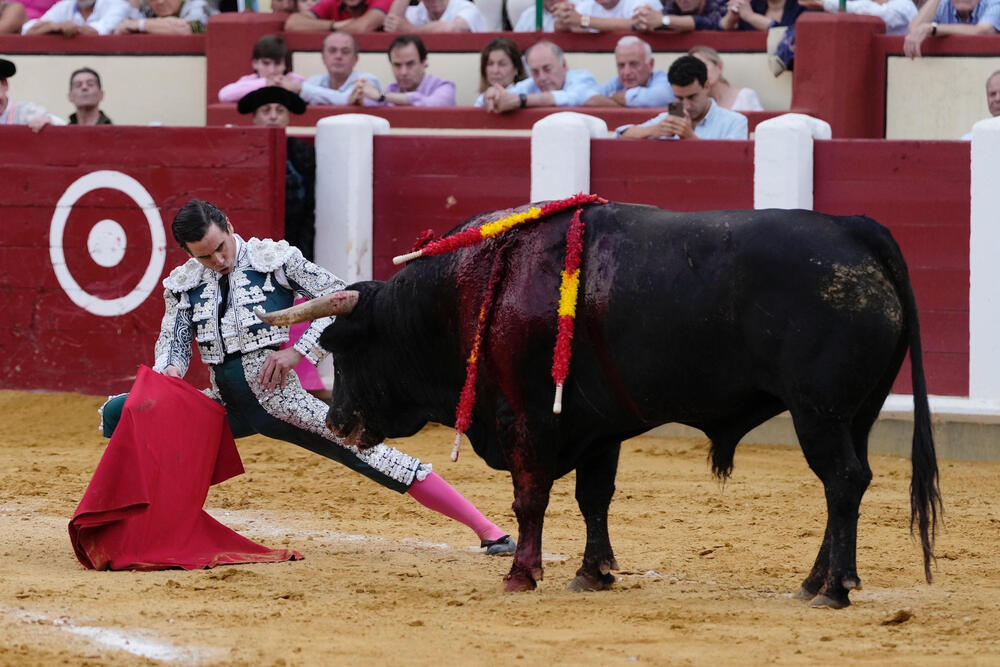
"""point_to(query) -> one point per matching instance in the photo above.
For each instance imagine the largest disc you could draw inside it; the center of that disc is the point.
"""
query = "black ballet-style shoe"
(499, 547)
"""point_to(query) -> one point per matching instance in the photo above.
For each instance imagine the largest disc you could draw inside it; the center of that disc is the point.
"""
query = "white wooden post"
(345, 193)
(783, 160)
(560, 154)
(984, 269)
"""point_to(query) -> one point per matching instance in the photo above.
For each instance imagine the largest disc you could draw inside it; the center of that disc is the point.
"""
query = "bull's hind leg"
(595, 485)
(830, 452)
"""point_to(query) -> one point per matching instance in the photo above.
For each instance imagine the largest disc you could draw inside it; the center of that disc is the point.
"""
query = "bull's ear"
(337, 303)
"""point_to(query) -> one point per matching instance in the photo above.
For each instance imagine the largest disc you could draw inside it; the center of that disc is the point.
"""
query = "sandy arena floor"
(707, 579)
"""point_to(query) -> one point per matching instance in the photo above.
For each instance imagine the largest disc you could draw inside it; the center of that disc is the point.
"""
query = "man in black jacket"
(272, 106)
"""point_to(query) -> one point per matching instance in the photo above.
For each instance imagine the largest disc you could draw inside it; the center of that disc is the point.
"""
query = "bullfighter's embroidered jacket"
(266, 273)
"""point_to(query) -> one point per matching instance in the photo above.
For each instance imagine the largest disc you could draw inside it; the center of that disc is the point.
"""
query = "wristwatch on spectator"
(665, 20)
(524, 99)
(585, 21)
(933, 27)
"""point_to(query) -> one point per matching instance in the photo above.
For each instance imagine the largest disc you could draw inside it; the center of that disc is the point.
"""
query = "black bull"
(719, 320)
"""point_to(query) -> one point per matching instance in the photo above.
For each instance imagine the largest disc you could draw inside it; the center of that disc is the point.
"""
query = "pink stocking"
(435, 493)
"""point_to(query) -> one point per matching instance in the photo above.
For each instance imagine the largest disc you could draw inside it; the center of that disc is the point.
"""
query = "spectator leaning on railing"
(699, 117)
(552, 83)
(680, 16)
(79, 17)
(501, 63)
(938, 18)
(21, 113)
(637, 83)
(719, 89)
(168, 17)
(352, 16)
(599, 15)
(527, 21)
(271, 61)
(896, 14)
(12, 17)
(413, 85)
(435, 16)
(338, 85)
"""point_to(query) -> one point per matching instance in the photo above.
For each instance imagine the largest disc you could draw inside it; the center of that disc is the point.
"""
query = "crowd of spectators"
(509, 79)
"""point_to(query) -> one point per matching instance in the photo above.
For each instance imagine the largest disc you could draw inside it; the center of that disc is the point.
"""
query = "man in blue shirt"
(552, 83)
(637, 83)
(700, 117)
(951, 17)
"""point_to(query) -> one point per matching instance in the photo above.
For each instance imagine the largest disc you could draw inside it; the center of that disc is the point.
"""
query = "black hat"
(250, 102)
(7, 69)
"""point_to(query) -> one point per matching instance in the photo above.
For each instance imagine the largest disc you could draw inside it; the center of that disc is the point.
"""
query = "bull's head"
(345, 421)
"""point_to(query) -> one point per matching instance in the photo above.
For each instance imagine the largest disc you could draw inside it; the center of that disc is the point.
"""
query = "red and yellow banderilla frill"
(568, 293)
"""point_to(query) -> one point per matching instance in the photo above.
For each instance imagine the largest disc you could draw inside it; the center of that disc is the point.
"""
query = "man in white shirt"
(340, 55)
(79, 17)
(436, 16)
(526, 22)
(599, 15)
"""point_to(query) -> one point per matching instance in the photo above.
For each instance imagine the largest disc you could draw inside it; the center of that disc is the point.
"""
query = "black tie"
(224, 290)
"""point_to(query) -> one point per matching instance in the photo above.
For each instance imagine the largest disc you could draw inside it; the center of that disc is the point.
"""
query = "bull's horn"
(338, 303)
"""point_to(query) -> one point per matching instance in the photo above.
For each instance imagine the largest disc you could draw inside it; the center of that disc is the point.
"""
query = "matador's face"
(217, 248)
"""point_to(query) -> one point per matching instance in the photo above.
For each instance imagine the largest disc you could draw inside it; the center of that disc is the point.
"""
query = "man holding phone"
(694, 115)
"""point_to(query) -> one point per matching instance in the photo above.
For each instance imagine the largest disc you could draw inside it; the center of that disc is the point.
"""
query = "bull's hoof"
(851, 583)
(804, 594)
(584, 583)
(518, 584)
(823, 600)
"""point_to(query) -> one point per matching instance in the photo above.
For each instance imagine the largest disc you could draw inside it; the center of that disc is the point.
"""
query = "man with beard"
(86, 94)
(79, 17)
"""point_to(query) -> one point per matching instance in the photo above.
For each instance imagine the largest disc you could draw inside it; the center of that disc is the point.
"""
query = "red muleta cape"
(143, 507)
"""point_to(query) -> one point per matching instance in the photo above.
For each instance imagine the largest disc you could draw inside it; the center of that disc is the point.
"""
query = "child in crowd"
(271, 61)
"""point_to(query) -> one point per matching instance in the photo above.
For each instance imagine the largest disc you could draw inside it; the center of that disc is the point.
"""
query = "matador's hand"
(276, 367)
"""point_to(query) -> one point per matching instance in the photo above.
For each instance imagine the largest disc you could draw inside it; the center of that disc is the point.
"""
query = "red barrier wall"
(920, 190)
(437, 182)
(49, 342)
(680, 175)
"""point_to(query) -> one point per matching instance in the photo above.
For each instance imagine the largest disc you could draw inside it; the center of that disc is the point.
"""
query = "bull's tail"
(925, 494)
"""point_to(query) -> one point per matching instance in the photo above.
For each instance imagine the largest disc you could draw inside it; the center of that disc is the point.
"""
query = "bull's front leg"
(595, 485)
(532, 485)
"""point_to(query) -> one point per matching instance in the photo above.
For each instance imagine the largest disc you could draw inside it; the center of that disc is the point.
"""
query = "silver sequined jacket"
(266, 273)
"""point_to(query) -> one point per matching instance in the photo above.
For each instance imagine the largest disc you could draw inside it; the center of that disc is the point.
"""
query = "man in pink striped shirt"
(413, 85)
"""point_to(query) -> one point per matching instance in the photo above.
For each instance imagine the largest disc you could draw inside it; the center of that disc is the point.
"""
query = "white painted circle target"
(107, 242)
